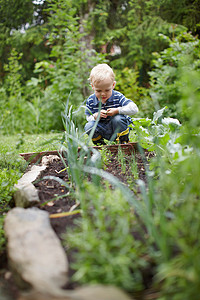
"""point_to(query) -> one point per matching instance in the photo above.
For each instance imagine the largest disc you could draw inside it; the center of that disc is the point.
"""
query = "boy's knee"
(88, 127)
(118, 120)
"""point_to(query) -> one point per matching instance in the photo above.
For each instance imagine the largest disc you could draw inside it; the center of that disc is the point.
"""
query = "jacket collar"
(96, 101)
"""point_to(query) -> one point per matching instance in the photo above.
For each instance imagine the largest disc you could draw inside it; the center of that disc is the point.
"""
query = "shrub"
(166, 81)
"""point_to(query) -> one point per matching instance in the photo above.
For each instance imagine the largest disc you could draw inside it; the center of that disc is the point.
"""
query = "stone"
(35, 254)
(31, 175)
(35, 295)
(26, 195)
(99, 292)
(48, 159)
(88, 292)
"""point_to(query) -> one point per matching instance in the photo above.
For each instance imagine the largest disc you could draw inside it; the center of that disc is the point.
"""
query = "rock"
(26, 194)
(99, 292)
(35, 295)
(89, 292)
(48, 159)
(31, 175)
(35, 254)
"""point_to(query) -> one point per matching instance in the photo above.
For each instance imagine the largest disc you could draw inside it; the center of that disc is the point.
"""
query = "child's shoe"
(123, 137)
(98, 141)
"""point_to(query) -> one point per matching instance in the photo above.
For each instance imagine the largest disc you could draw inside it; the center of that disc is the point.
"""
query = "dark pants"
(108, 129)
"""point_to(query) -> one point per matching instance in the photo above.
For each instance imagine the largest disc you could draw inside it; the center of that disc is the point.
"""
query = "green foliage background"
(49, 47)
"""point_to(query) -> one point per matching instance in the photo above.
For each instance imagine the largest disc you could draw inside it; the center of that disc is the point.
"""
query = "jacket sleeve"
(90, 118)
(129, 109)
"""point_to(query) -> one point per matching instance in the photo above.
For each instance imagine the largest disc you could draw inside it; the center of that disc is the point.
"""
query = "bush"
(166, 81)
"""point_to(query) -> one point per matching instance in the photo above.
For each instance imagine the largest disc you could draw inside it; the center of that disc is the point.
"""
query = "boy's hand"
(103, 114)
(112, 111)
(109, 112)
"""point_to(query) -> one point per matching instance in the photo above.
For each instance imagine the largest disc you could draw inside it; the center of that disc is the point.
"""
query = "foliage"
(155, 134)
(79, 165)
(15, 14)
(167, 207)
(105, 252)
(166, 80)
(38, 107)
(102, 24)
(67, 70)
(165, 215)
(53, 56)
(174, 193)
(181, 12)
(127, 84)
(12, 167)
(13, 68)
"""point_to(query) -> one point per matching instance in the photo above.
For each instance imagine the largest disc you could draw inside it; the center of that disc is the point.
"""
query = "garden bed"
(118, 165)
(49, 189)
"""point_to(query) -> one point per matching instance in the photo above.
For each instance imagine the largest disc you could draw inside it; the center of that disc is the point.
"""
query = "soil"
(49, 189)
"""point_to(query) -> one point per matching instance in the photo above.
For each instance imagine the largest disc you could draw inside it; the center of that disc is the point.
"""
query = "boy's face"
(103, 89)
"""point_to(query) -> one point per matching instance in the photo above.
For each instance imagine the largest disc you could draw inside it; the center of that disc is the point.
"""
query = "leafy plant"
(166, 86)
(104, 242)
(127, 84)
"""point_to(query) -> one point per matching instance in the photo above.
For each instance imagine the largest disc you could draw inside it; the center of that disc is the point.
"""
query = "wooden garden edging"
(33, 157)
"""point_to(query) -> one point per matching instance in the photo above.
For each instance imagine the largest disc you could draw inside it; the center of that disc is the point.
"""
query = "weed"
(134, 168)
(121, 159)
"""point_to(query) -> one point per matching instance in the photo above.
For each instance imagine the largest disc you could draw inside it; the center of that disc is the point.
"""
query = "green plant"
(166, 80)
(134, 168)
(13, 79)
(127, 84)
(121, 159)
(174, 196)
(106, 249)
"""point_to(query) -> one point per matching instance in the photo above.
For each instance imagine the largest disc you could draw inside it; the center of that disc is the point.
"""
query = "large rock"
(99, 292)
(89, 292)
(35, 254)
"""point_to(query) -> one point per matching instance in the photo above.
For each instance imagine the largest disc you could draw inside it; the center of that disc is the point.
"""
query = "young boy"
(115, 108)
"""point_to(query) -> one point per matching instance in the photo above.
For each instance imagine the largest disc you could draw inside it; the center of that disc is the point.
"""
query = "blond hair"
(101, 72)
